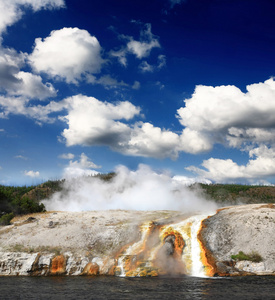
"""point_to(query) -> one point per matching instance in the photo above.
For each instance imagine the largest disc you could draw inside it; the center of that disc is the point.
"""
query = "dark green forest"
(16, 200)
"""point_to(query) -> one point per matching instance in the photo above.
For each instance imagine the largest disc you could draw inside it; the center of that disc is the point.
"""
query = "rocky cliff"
(135, 243)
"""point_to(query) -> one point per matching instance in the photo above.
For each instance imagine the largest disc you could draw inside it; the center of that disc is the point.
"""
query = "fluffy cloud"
(149, 141)
(225, 114)
(69, 54)
(12, 105)
(18, 83)
(18, 87)
(81, 167)
(31, 86)
(92, 122)
(32, 174)
(259, 167)
(12, 10)
(193, 141)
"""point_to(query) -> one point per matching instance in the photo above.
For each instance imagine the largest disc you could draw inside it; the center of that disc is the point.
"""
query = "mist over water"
(142, 189)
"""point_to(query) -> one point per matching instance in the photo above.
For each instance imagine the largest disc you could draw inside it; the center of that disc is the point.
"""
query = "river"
(108, 287)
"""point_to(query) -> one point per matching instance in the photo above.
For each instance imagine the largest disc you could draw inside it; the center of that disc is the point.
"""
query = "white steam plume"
(130, 190)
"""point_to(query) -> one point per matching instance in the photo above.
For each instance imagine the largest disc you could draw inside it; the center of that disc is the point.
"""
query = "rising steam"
(130, 190)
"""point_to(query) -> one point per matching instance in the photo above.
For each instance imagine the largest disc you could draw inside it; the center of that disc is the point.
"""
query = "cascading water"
(198, 269)
(174, 249)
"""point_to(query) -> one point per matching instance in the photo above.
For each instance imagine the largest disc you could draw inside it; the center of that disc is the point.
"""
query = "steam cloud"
(142, 189)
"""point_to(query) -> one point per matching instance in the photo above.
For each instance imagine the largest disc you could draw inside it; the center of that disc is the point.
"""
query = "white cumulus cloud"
(16, 83)
(32, 86)
(12, 10)
(69, 54)
(224, 114)
(150, 141)
(259, 167)
(93, 122)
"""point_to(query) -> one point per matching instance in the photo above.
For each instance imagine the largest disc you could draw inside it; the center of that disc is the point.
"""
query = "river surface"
(252, 287)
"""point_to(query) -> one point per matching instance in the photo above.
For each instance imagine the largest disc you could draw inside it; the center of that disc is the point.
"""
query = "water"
(247, 288)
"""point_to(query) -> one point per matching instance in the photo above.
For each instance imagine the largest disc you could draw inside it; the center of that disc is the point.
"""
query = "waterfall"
(191, 255)
(197, 265)
(120, 266)
(141, 258)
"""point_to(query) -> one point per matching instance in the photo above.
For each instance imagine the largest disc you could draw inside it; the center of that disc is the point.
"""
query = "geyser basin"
(137, 243)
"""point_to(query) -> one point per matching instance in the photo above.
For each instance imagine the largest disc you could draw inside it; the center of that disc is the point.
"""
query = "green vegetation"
(15, 201)
(253, 256)
(5, 219)
(232, 194)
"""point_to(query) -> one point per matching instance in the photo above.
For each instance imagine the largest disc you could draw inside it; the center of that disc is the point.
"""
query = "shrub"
(26, 205)
(6, 219)
(253, 256)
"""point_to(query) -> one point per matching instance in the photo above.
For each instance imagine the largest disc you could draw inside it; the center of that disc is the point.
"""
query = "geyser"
(142, 189)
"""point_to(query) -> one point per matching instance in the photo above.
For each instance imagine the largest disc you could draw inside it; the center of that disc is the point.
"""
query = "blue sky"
(185, 87)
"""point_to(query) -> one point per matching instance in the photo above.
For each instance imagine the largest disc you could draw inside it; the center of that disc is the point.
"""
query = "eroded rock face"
(130, 243)
(247, 228)
(13, 263)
